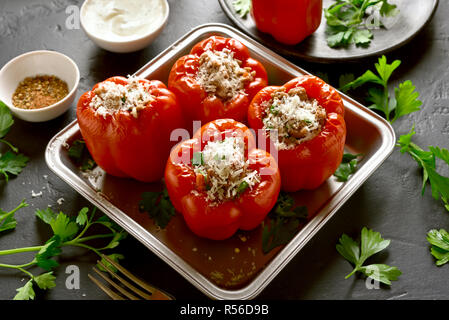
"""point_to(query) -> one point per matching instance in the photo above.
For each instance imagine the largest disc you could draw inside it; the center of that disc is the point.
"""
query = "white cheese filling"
(295, 117)
(221, 74)
(111, 97)
(224, 168)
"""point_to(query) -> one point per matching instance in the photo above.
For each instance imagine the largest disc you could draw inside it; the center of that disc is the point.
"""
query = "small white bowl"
(126, 45)
(35, 63)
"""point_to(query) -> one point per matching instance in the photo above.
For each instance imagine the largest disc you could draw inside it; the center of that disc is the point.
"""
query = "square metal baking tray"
(245, 270)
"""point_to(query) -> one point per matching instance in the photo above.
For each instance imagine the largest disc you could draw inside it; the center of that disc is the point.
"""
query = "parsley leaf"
(242, 7)
(49, 250)
(114, 257)
(26, 292)
(82, 218)
(79, 153)
(45, 281)
(346, 21)
(439, 239)
(347, 167)
(285, 220)
(63, 227)
(158, 206)
(7, 220)
(427, 161)
(11, 163)
(371, 243)
(405, 99)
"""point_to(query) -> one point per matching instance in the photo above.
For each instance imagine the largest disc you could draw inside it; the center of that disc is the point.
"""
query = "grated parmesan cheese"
(221, 74)
(295, 117)
(111, 97)
(225, 169)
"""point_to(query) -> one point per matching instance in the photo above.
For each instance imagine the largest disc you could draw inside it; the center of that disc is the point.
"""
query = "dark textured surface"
(389, 202)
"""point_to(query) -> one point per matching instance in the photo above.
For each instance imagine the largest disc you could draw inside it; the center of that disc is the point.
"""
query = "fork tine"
(156, 293)
(126, 283)
(116, 286)
(106, 290)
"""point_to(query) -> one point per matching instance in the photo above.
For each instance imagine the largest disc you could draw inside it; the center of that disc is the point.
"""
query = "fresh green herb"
(242, 7)
(123, 99)
(274, 110)
(197, 159)
(158, 206)
(371, 243)
(242, 187)
(405, 99)
(79, 153)
(346, 21)
(67, 231)
(11, 163)
(347, 167)
(7, 220)
(439, 239)
(284, 223)
(427, 161)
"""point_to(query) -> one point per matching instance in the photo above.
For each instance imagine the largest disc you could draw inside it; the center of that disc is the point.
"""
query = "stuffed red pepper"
(217, 80)
(220, 182)
(288, 21)
(304, 121)
(126, 124)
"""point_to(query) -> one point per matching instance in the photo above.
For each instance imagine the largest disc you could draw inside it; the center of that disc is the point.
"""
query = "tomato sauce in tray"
(236, 268)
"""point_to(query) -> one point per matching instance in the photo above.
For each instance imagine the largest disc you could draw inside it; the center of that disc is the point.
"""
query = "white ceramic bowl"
(124, 46)
(35, 63)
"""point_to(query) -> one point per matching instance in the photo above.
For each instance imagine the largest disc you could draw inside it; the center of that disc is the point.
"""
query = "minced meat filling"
(222, 171)
(221, 74)
(295, 116)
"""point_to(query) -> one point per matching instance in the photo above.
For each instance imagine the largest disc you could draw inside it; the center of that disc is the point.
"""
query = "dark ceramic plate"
(414, 15)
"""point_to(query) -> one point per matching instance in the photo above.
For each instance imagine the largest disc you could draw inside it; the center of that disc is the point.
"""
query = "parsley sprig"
(242, 7)
(439, 239)
(371, 242)
(67, 231)
(427, 161)
(405, 98)
(346, 21)
(11, 162)
(158, 206)
(79, 153)
(285, 220)
(7, 219)
(348, 166)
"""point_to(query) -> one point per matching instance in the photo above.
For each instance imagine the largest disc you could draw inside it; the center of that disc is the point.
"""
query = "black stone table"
(389, 202)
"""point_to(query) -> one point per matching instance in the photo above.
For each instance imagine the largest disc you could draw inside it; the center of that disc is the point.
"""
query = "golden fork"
(133, 293)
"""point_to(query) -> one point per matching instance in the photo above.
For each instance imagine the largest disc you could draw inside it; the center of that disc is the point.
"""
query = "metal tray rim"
(287, 253)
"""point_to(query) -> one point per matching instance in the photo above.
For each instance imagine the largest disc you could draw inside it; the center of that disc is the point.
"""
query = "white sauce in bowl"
(117, 20)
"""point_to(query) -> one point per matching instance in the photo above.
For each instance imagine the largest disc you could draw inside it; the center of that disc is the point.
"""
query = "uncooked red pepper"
(197, 102)
(288, 21)
(308, 164)
(189, 193)
(131, 143)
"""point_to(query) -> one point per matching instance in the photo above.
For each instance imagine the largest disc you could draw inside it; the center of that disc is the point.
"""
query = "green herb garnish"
(158, 206)
(371, 243)
(11, 163)
(284, 223)
(79, 153)
(346, 21)
(197, 159)
(7, 220)
(242, 187)
(405, 99)
(348, 166)
(67, 231)
(439, 239)
(427, 161)
(242, 7)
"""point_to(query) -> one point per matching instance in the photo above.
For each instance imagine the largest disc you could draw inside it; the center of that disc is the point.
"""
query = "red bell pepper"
(311, 162)
(197, 103)
(131, 145)
(288, 21)
(220, 220)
